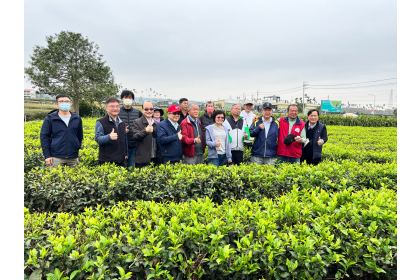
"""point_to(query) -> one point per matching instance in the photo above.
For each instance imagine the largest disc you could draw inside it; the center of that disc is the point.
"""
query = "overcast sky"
(216, 49)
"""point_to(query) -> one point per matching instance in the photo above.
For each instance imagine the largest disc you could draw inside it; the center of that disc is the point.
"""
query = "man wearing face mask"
(61, 134)
(206, 119)
(128, 114)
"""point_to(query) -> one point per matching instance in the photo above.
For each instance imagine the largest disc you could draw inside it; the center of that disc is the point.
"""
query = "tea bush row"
(307, 234)
(72, 189)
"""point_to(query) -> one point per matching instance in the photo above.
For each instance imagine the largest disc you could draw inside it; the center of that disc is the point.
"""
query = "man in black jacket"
(111, 135)
(61, 134)
(206, 119)
(128, 114)
(183, 106)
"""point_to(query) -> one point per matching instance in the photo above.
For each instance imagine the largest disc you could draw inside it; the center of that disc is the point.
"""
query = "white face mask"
(127, 102)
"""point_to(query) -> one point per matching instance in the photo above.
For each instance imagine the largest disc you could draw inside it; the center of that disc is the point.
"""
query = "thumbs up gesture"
(126, 129)
(262, 126)
(149, 128)
(179, 135)
(319, 141)
(113, 135)
(198, 140)
(245, 135)
(218, 143)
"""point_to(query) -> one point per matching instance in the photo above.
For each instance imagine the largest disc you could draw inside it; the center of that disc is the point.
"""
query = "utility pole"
(257, 95)
(391, 101)
(374, 98)
(303, 97)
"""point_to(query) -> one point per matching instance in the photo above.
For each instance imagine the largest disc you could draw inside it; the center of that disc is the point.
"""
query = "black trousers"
(237, 157)
(116, 163)
(310, 159)
(139, 165)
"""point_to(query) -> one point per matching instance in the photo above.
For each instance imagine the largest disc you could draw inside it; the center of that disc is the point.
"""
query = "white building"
(29, 93)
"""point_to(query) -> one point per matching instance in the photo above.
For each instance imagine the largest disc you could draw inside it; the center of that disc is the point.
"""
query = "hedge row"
(72, 189)
(302, 235)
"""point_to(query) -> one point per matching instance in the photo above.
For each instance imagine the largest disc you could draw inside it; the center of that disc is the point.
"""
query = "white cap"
(248, 102)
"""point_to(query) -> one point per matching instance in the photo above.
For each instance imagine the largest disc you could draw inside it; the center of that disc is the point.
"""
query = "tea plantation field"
(337, 220)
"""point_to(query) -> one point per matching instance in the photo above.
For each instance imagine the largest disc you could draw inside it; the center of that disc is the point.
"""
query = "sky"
(211, 50)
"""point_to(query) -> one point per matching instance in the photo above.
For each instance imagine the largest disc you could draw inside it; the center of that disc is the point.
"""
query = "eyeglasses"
(220, 117)
(313, 116)
(147, 109)
(114, 107)
(293, 111)
(64, 101)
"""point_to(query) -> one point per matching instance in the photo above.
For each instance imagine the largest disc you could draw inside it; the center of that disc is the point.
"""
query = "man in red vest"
(291, 151)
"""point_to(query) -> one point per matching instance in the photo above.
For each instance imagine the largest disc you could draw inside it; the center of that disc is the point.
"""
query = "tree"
(298, 102)
(70, 64)
(395, 112)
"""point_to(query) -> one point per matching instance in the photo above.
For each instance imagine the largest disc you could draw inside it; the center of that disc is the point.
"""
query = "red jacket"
(295, 149)
(188, 137)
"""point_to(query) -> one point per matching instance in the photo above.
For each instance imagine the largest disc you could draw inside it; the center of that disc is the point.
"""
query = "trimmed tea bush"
(73, 189)
(304, 234)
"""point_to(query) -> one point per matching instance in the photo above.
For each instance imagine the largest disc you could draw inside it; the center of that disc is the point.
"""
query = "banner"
(330, 106)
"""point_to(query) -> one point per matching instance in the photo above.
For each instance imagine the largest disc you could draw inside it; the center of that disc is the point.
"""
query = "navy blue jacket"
(320, 131)
(264, 146)
(58, 140)
(167, 137)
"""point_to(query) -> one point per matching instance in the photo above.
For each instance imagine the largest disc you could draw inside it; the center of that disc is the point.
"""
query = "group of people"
(128, 136)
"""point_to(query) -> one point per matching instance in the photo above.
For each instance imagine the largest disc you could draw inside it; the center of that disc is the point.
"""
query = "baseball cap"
(174, 108)
(267, 105)
(248, 102)
(289, 139)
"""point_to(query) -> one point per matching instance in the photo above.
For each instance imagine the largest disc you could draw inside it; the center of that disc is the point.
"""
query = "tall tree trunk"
(76, 104)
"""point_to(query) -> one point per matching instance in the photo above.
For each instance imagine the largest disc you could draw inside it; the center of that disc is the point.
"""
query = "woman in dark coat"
(316, 135)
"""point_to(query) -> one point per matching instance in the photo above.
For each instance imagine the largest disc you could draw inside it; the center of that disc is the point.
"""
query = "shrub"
(305, 234)
(73, 189)
(91, 110)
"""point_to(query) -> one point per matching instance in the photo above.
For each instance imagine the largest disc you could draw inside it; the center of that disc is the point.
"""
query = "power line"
(353, 83)
(354, 76)
(355, 93)
(281, 90)
(358, 87)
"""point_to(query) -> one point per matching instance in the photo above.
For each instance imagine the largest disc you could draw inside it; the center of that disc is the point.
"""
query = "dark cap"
(267, 105)
(289, 139)
(158, 109)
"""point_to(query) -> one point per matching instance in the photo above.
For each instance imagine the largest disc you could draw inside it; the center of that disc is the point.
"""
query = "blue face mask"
(64, 107)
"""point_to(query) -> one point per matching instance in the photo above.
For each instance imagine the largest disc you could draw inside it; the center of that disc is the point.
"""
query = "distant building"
(225, 104)
(29, 93)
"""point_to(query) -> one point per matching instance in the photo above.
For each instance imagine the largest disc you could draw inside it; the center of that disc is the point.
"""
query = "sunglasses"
(147, 109)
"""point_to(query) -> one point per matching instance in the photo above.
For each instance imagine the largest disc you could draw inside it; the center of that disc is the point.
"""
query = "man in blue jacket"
(169, 136)
(61, 134)
(266, 131)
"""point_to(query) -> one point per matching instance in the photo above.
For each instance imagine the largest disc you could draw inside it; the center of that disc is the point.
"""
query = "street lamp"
(374, 98)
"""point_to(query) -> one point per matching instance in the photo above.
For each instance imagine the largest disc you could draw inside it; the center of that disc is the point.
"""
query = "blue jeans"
(219, 161)
(283, 159)
(131, 156)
